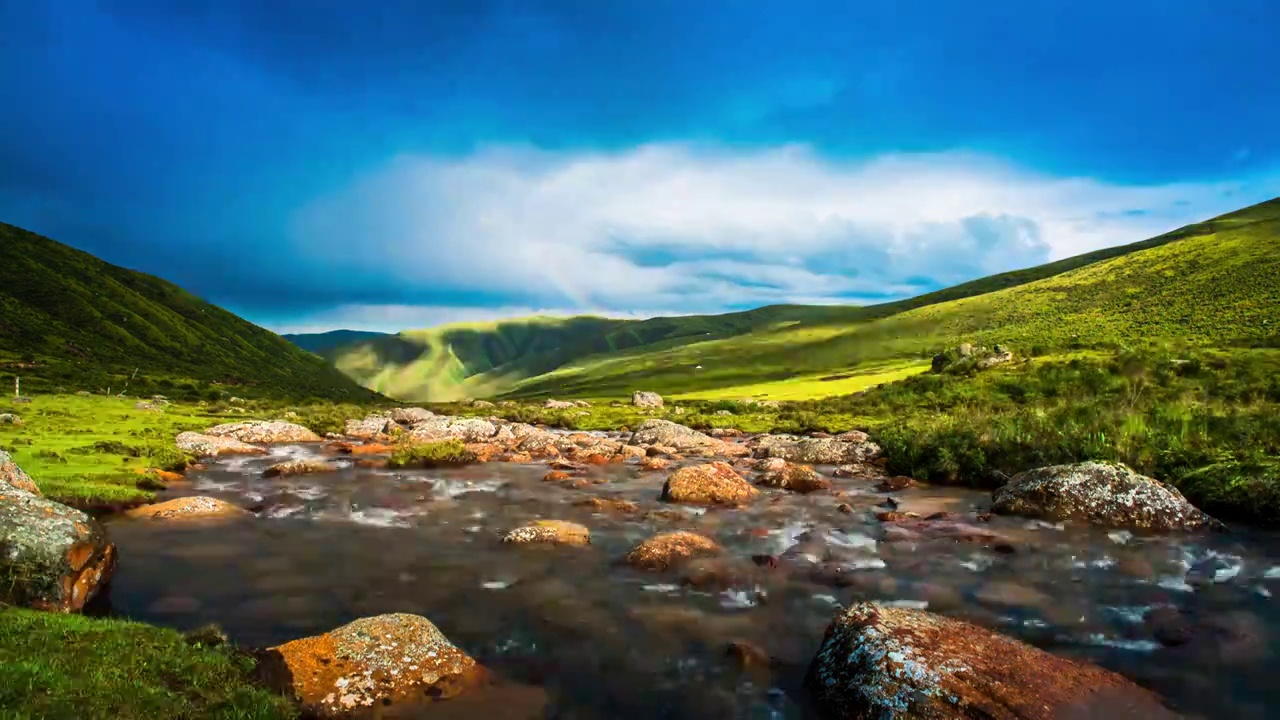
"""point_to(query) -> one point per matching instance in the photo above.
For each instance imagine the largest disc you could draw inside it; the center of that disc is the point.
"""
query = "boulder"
(882, 662)
(396, 659)
(212, 445)
(372, 427)
(556, 532)
(10, 419)
(54, 557)
(644, 399)
(816, 451)
(793, 477)
(264, 431)
(558, 405)
(446, 428)
(482, 405)
(148, 406)
(13, 476)
(303, 466)
(410, 415)
(602, 504)
(668, 549)
(188, 508)
(711, 484)
(1105, 494)
(683, 439)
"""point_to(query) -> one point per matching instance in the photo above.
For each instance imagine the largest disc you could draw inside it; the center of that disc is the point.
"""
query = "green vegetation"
(69, 666)
(1214, 284)
(430, 454)
(69, 320)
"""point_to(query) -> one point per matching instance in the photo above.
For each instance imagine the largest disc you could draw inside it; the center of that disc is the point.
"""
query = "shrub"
(431, 454)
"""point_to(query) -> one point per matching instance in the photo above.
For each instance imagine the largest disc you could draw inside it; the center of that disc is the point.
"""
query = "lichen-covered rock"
(882, 662)
(714, 483)
(10, 419)
(1106, 494)
(12, 475)
(264, 431)
(148, 406)
(816, 451)
(601, 504)
(558, 532)
(644, 399)
(793, 477)
(668, 549)
(651, 464)
(399, 659)
(52, 557)
(682, 439)
(212, 445)
(188, 508)
(558, 405)
(410, 415)
(445, 428)
(301, 466)
(371, 427)
(482, 404)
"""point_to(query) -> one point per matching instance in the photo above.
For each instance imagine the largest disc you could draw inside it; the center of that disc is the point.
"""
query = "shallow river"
(606, 641)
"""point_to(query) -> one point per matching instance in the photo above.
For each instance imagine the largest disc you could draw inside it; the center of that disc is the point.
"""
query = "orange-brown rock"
(302, 466)
(388, 660)
(793, 477)
(483, 451)
(608, 505)
(749, 656)
(895, 483)
(651, 464)
(12, 475)
(54, 557)
(164, 476)
(213, 445)
(663, 551)
(188, 508)
(595, 459)
(711, 484)
(371, 463)
(518, 457)
(558, 532)
(556, 476)
(878, 661)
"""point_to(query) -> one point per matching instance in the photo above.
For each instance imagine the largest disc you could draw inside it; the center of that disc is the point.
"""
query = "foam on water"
(1130, 613)
(741, 599)
(850, 540)
(456, 488)
(1101, 640)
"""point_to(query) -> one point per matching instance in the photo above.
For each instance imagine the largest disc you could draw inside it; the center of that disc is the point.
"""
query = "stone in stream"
(211, 445)
(188, 508)
(818, 451)
(778, 473)
(264, 431)
(668, 549)
(54, 557)
(1105, 494)
(884, 662)
(12, 475)
(302, 466)
(644, 399)
(682, 439)
(387, 660)
(711, 484)
(558, 532)
(373, 427)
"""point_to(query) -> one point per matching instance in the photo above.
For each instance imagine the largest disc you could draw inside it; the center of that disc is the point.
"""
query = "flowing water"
(606, 641)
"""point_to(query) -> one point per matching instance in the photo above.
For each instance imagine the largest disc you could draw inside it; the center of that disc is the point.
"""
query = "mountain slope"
(323, 344)
(70, 319)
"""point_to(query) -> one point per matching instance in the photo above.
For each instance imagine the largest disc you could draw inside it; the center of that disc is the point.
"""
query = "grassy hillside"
(323, 344)
(68, 319)
(1207, 284)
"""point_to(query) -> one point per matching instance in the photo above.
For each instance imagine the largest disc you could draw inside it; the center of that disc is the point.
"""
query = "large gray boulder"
(672, 435)
(644, 399)
(213, 445)
(371, 427)
(264, 431)
(848, 449)
(411, 415)
(884, 662)
(54, 557)
(1106, 494)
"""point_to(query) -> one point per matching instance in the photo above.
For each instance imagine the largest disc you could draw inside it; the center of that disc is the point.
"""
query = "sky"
(322, 164)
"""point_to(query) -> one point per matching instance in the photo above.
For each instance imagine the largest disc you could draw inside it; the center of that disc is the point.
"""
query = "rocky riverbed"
(667, 573)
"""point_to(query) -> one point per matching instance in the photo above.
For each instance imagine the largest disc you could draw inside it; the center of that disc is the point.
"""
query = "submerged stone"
(793, 477)
(557, 532)
(663, 551)
(212, 445)
(303, 466)
(54, 557)
(188, 508)
(711, 484)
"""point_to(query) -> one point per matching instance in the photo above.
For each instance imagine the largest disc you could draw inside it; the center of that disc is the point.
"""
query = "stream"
(604, 640)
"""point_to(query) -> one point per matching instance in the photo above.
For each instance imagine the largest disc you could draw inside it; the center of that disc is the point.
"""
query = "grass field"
(813, 386)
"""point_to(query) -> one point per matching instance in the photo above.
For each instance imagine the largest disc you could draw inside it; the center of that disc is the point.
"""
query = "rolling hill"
(1212, 283)
(71, 320)
(323, 344)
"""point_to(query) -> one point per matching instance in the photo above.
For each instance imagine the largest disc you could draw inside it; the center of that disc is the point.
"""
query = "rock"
(83, 393)
(304, 466)
(22, 400)
(372, 427)
(881, 662)
(188, 508)
(144, 405)
(644, 399)
(749, 656)
(211, 445)
(13, 476)
(54, 557)
(724, 412)
(581, 403)
(999, 355)
(600, 504)
(711, 484)
(681, 439)
(396, 659)
(861, 470)
(1168, 625)
(1106, 494)
(558, 405)
(793, 477)
(905, 527)
(264, 431)
(550, 531)
(668, 549)
(465, 429)
(10, 419)
(654, 463)
(895, 483)
(556, 476)
(816, 451)
(410, 415)
(482, 405)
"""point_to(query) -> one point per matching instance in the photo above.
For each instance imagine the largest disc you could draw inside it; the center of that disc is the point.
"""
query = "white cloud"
(701, 229)
(394, 318)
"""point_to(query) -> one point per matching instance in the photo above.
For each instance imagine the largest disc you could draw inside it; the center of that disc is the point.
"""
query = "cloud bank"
(712, 229)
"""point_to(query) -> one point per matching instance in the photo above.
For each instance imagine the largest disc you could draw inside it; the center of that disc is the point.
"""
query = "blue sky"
(311, 164)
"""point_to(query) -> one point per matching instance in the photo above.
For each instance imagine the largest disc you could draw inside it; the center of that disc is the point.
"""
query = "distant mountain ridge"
(324, 343)
(1212, 282)
(71, 320)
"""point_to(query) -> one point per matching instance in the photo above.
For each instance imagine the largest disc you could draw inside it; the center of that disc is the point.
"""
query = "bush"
(432, 454)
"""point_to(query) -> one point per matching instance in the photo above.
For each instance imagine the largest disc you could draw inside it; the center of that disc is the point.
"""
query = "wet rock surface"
(303, 466)
(264, 431)
(202, 445)
(661, 552)
(1105, 494)
(557, 532)
(792, 476)
(52, 557)
(188, 508)
(714, 483)
(817, 451)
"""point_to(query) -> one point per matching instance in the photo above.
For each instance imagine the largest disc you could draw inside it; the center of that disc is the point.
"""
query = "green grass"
(813, 386)
(87, 450)
(70, 320)
(58, 666)
(430, 454)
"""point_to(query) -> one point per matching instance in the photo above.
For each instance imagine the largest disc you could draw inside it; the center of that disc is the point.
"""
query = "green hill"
(68, 319)
(1212, 283)
(323, 344)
